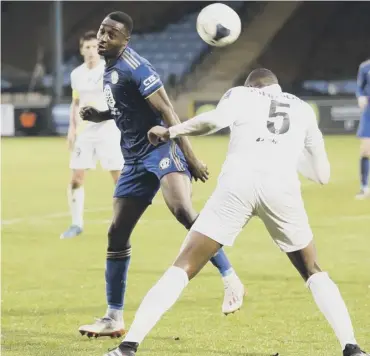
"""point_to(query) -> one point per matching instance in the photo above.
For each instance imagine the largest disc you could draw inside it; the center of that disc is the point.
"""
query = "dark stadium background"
(314, 47)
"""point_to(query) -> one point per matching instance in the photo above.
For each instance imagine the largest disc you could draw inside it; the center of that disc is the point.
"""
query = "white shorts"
(235, 201)
(89, 149)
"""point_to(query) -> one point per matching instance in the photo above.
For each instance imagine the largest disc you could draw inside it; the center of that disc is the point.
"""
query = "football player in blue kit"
(363, 133)
(137, 101)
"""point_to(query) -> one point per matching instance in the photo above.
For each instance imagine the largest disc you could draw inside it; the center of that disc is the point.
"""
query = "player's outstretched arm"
(88, 113)
(73, 113)
(160, 101)
(203, 124)
(210, 122)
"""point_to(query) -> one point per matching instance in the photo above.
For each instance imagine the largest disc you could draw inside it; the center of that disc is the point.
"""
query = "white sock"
(230, 276)
(115, 314)
(327, 297)
(158, 300)
(76, 199)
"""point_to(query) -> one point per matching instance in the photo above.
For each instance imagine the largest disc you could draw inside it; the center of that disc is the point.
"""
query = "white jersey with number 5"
(269, 129)
(269, 132)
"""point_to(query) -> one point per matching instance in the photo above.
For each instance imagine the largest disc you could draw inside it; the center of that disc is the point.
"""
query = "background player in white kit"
(269, 132)
(89, 142)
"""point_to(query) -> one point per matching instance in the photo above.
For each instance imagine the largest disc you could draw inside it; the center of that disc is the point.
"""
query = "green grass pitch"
(50, 286)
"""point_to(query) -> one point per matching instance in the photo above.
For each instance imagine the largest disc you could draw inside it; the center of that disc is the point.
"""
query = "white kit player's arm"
(209, 122)
(203, 124)
(314, 163)
(74, 109)
(73, 114)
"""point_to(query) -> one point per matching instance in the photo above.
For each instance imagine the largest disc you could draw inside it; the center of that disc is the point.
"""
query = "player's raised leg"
(223, 217)
(76, 199)
(127, 212)
(176, 189)
(196, 252)
(327, 297)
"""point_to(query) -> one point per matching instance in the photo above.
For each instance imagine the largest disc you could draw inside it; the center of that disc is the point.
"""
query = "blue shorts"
(142, 178)
(363, 130)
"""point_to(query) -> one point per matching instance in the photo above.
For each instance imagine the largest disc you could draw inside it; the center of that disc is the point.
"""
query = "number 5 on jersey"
(278, 110)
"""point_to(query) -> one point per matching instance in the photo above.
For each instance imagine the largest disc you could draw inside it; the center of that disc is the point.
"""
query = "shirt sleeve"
(361, 81)
(209, 122)
(228, 107)
(200, 125)
(147, 80)
(75, 93)
(314, 163)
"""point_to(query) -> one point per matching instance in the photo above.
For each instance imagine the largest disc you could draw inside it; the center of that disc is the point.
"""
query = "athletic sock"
(327, 297)
(158, 300)
(76, 199)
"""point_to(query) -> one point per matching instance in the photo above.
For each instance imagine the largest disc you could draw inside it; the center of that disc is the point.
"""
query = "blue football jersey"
(363, 79)
(128, 82)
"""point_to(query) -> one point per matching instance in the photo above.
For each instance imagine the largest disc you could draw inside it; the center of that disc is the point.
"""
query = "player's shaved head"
(123, 19)
(260, 78)
(114, 34)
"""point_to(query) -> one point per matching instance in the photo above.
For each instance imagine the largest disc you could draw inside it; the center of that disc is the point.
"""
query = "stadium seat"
(172, 51)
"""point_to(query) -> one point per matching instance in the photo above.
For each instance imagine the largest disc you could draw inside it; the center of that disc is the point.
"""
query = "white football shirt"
(270, 130)
(87, 86)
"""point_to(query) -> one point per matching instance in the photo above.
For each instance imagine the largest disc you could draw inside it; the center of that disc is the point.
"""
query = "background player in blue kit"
(137, 101)
(363, 97)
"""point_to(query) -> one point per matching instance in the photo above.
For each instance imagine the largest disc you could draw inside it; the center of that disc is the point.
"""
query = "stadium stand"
(343, 45)
(172, 51)
(78, 18)
(224, 65)
(319, 48)
(309, 46)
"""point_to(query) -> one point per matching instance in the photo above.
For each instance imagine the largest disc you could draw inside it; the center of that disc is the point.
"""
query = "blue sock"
(364, 171)
(116, 277)
(222, 263)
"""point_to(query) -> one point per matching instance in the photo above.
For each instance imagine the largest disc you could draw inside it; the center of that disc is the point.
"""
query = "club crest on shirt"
(109, 96)
(114, 77)
(164, 163)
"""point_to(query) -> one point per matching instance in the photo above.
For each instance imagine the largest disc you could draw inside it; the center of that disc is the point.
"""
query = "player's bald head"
(260, 78)
(120, 21)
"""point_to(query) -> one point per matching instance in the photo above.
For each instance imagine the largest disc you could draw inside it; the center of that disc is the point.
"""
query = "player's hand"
(158, 134)
(71, 137)
(363, 101)
(88, 113)
(198, 170)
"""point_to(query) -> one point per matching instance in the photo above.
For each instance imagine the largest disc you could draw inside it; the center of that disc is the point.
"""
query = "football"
(218, 25)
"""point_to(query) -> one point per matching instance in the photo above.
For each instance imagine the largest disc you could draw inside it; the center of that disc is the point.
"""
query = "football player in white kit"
(89, 142)
(270, 132)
